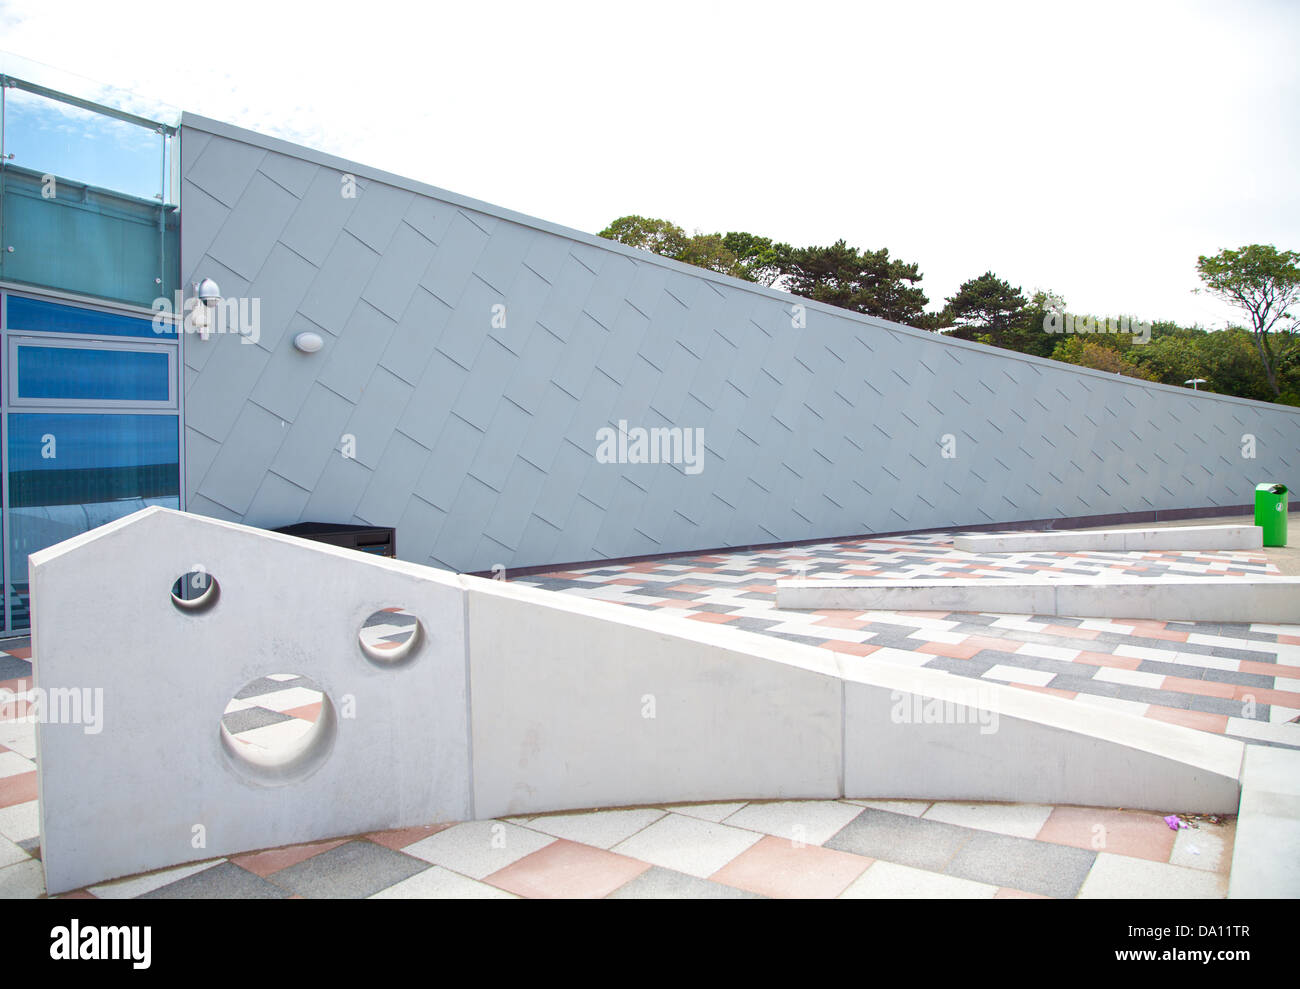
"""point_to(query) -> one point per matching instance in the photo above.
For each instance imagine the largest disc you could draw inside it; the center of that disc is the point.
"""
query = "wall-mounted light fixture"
(308, 342)
(209, 295)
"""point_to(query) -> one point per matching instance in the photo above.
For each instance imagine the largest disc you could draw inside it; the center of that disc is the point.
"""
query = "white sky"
(1095, 149)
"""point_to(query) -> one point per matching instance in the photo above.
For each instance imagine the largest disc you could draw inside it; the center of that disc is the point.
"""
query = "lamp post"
(1194, 382)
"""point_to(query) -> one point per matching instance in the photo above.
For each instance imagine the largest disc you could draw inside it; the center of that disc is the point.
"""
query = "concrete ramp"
(1187, 537)
(1213, 599)
(508, 700)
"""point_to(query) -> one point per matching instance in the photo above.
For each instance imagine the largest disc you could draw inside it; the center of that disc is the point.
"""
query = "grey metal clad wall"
(478, 441)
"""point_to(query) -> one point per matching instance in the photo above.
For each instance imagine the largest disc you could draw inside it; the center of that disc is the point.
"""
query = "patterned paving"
(1241, 680)
(790, 849)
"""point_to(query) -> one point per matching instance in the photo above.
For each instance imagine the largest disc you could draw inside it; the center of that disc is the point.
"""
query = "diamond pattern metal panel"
(472, 355)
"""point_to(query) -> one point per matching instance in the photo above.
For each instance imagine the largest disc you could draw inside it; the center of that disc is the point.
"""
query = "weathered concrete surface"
(1185, 537)
(1266, 854)
(1229, 599)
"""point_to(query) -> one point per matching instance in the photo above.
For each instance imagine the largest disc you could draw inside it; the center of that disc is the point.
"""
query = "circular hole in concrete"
(390, 636)
(195, 592)
(278, 728)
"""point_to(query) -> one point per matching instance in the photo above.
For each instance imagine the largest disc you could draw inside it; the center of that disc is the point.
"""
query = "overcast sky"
(1094, 149)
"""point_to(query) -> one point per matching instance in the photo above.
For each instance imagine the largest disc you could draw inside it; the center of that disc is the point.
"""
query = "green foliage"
(988, 310)
(985, 303)
(758, 256)
(865, 281)
(1264, 283)
(667, 239)
(648, 234)
(709, 251)
(1094, 352)
(1226, 359)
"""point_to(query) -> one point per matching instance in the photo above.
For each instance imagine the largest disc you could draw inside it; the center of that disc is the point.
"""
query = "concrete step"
(1222, 599)
(1188, 537)
(1264, 863)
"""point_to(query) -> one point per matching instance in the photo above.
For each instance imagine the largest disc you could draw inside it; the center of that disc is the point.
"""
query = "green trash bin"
(1270, 512)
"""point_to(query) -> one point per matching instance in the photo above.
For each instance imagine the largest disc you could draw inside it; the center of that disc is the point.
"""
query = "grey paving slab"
(11, 668)
(265, 685)
(1019, 863)
(1256, 680)
(1120, 691)
(976, 666)
(901, 839)
(226, 881)
(658, 883)
(352, 870)
(250, 718)
(1230, 706)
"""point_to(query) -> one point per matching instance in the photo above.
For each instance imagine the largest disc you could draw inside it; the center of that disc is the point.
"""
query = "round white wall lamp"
(209, 292)
(308, 342)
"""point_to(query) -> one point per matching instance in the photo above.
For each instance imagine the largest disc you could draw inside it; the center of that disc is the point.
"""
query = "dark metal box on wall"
(368, 539)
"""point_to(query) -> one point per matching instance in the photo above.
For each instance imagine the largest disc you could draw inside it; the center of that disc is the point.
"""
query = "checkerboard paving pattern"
(1241, 680)
(783, 849)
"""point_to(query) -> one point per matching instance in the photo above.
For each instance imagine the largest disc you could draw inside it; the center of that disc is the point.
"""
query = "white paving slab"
(133, 886)
(890, 881)
(437, 883)
(600, 828)
(1018, 820)
(478, 848)
(811, 822)
(1125, 877)
(20, 822)
(687, 844)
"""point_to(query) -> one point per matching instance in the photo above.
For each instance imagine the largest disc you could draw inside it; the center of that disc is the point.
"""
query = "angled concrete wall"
(515, 701)
(478, 441)
(126, 795)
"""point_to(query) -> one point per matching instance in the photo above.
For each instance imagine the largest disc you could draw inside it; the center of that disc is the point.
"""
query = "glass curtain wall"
(91, 426)
(89, 391)
(87, 193)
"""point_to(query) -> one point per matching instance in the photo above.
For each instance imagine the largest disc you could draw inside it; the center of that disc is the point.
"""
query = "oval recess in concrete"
(195, 592)
(290, 762)
(390, 637)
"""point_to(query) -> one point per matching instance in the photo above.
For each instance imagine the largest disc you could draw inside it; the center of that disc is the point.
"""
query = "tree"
(865, 281)
(1265, 284)
(758, 256)
(988, 310)
(649, 234)
(1087, 352)
(984, 305)
(667, 239)
(709, 251)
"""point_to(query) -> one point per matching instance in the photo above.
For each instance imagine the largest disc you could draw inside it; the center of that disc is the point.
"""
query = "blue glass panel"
(108, 375)
(70, 473)
(40, 316)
